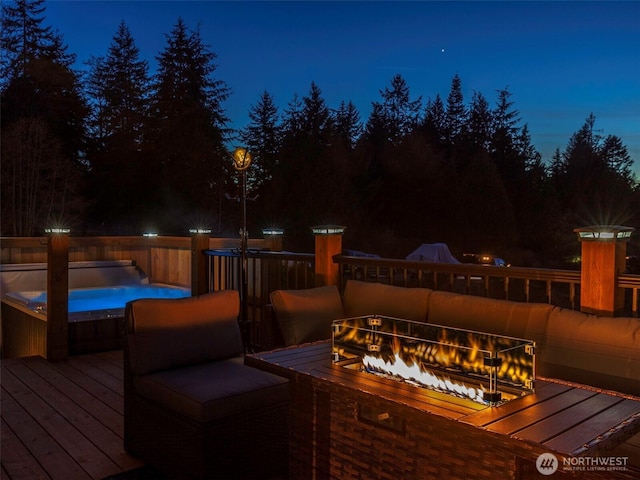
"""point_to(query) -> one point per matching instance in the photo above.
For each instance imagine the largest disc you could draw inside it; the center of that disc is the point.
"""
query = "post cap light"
(604, 233)
(328, 230)
(149, 234)
(200, 231)
(272, 231)
(57, 230)
(241, 159)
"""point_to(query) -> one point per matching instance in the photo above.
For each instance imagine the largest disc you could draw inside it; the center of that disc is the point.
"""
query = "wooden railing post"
(199, 243)
(328, 242)
(603, 259)
(273, 239)
(57, 294)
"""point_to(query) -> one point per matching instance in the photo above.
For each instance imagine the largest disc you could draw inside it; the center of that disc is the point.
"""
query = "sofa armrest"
(603, 352)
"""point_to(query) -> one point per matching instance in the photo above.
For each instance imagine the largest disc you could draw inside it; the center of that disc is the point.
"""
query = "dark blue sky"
(560, 60)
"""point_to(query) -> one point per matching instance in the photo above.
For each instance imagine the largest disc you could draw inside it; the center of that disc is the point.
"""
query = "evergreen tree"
(616, 156)
(188, 131)
(397, 115)
(455, 112)
(435, 121)
(591, 179)
(479, 124)
(118, 88)
(346, 124)
(25, 38)
(307, 172)
(40, 93)
(263, 137)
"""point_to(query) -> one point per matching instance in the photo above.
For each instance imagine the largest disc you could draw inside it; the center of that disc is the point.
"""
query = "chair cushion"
(306, 315)
(603, 352)
(213, 390)
(367, 298)
(169, 333)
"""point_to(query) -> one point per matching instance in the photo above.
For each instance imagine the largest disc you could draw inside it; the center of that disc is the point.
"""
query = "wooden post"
(57, 295)
(273, 239)
(603, 258)
(328, 242)
(199, 242)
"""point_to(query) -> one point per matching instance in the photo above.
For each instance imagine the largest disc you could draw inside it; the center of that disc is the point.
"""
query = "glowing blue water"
(113, 298)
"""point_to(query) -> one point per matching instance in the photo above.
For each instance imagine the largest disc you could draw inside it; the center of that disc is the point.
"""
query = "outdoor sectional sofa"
(575, 352)
(601, 352)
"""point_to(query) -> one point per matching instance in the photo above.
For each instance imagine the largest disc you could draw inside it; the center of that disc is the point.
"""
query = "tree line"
(117, 149)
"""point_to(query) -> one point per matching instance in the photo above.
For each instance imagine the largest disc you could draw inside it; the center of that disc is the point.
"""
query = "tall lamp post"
(241, 162)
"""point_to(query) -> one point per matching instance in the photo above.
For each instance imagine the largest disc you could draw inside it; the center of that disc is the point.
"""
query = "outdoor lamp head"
(241, 159)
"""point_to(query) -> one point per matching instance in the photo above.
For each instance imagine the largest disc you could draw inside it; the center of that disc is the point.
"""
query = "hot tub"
(96, 305)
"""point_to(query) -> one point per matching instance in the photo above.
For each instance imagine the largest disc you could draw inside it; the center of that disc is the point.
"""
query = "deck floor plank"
(17, 461)
(96, 369)
(57, 423)
(43, 447)
(63, 420)
(70, 401)
(100, 405)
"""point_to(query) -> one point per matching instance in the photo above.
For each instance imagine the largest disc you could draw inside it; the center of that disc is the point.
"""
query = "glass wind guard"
(485, 368)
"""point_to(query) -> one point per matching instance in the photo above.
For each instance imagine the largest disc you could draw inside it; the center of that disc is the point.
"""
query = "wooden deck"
(63, 420)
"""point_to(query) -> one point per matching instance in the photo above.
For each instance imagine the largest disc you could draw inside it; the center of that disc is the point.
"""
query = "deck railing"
(266, 272)
(269, 271)
(520, 284)
(169, 260)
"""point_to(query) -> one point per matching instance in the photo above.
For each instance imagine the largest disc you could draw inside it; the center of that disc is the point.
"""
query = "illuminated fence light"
(200, 231)
(604, 232)
(57, 230)
(328, 230)
(272, 231)
(149, 234)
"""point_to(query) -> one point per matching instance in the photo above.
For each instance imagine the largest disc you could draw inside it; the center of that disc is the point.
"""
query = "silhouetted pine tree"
(263, 137)
(118, 89)
(41, 107)
(434, 123)
(455, 112)
(592, 179)
(187, 133)
(347, 125)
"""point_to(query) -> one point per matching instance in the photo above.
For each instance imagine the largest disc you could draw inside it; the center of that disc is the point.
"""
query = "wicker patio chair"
(192, 408)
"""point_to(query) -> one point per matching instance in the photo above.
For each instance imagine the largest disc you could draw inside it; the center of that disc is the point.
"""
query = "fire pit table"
(348, 424)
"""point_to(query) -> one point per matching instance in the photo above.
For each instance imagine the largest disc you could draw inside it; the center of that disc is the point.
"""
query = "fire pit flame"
(413, 373)
(472, 366)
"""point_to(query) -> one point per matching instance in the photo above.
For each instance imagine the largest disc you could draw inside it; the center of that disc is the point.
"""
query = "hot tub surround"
(98, 293)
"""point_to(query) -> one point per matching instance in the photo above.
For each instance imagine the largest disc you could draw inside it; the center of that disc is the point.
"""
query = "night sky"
(560, 60)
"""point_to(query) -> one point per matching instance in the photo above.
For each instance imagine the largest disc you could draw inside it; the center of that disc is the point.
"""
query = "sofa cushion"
(367, 298)
(168, 333)
(603, 352)
(498, 317)
(306, 315)
(213, 390)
